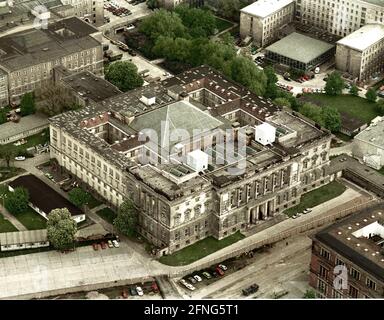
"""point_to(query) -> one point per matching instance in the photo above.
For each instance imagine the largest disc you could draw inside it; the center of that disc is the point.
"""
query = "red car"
(219, 271)
(95, 246)
(154, 287)
(103, 245)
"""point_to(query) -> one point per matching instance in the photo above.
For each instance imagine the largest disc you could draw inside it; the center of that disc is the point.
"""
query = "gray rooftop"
(34, 46)
(300, 47)
(10, 129)
(22, 237)
(374, 134)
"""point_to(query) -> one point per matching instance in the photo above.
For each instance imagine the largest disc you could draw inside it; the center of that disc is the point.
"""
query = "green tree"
(7, 153)
(334, 84)
(271, 88)
(309, 294)
(27, 104)
(152, 4)
(282, 102)
(17, 201)
(61, 229)
(331, 118)
(353, 90)
(162, 23)
(3, 116)
(124, 75)
(126, 220)
(380, 106)
(312, 112)
(79, 197)
(199, 22)
(371, 95)
(245, 72)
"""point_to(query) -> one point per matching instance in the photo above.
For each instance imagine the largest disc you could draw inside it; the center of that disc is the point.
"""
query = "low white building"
(368, 145)
(23, 240)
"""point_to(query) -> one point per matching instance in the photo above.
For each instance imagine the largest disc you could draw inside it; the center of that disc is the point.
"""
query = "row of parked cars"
(313, 90)
(215, 272)
(104, 245)
(284, 87)
(140, 291)
(297, 215)
(116, 10)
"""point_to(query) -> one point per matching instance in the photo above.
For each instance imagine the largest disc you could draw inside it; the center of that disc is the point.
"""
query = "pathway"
(19, 226)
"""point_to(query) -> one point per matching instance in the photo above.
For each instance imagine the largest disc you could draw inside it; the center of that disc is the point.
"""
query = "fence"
(281, 236)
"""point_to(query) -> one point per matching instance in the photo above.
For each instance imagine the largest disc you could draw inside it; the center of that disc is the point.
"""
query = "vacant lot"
(317, 196)
(199, 250)
(354, 106)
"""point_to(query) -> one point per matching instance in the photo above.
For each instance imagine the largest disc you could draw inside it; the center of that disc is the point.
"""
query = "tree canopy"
(7, 153)
(371, 95)
(3, 116)
(17, 201)
(79, 197)
(54, 99)
(331, 118)
(27, 104)
(124, 75)
(334, 84)
(61, 229)
(126, 220)
(353, 90)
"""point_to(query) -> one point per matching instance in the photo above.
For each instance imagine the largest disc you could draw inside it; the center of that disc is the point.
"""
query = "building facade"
(29, 56)
(263, 19)
(347, 257)
(125, 147)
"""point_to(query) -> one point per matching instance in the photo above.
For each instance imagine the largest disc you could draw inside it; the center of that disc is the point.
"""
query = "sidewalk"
(19, 226)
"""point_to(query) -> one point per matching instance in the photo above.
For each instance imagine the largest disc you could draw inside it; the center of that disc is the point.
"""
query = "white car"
(190, 287)
(20, 158)
(197, 278)
(139, 291)
(294, 216)
(308, 210)
(110, 244)
(115, 244)
(223, 267)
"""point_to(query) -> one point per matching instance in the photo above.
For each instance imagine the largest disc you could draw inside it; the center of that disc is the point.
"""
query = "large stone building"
(347, 257)
(27, 58)
(361, 53)
(198, 154)
(263, 19)
(21, 13)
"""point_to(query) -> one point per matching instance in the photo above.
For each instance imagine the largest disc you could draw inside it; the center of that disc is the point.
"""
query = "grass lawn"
(343, 136)
(107, 214)
(317, 196)
(199, 250)
(222, 24)
(354, 106)
(38, 138)
(31, 220)
(5, 225)
(381, 170)
(6, 173)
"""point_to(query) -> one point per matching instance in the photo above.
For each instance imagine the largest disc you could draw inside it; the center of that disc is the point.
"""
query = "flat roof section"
(299, 47)
(43, 196)
(374, 133)
(22, 237)
(264, 8)
(10, 129)
(364, 37)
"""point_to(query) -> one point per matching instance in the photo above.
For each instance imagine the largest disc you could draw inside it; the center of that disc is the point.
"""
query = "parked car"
(154, 287)
(308, 210)
(192, 280)
(132, 291)
(115, 244)
(294, 216)
(20, 158)
(219, 271)
(95, 246)
(140, 291)
(198, 278)
(207, 275)
(252, 289)
(124, 294)
(215, 274)
(103, 245)
(223, 267)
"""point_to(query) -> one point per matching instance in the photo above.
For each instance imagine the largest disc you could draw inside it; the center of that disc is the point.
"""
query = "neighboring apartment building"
(368, 145)
(14, 13)
(27, 58)
(354, 246)
(171, 4)
(361, 53)
(247, 162)
(263, 19)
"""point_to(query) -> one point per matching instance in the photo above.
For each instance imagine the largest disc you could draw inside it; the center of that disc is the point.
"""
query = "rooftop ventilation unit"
(265, 134)
(148, 99)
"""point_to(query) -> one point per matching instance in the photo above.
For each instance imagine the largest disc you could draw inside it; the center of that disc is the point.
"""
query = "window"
(323, 272)
(353, 292)
(370, 284)
(322, 286)
(354, 273)
(324, 253)
(339, 262)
